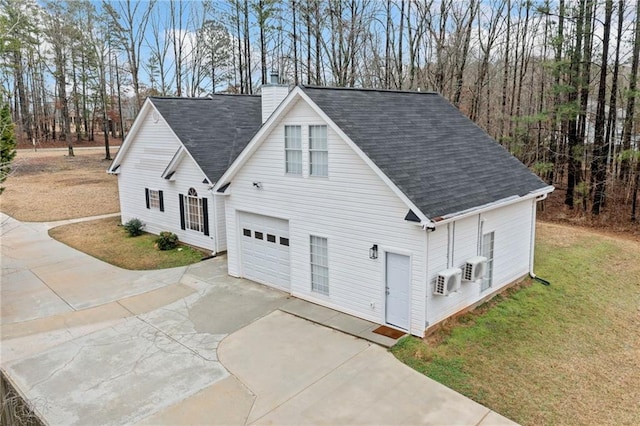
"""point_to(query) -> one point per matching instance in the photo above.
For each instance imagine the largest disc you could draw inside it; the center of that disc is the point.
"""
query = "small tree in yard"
(7, 143)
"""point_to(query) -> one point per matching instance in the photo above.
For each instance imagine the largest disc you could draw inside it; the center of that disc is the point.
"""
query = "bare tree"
(130, 19)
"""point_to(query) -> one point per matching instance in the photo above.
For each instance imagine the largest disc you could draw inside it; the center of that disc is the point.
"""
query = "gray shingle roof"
(438, 158)
(214, 130)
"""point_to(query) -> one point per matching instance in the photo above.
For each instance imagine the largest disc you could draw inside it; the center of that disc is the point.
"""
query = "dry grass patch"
(564, 354)
(107, 240)
(49, 186)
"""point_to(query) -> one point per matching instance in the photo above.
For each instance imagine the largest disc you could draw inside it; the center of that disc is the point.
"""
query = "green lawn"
(106, 240)
(564, 354)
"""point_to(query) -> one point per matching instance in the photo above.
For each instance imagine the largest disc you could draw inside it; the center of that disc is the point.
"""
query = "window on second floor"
(318, 151)
(293, 149)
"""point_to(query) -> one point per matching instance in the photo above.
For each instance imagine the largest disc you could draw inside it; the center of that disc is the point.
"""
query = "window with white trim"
(319, 265)
(193, 207)
(293, 149)
(487, 251)
(154, 199)
(318, 151)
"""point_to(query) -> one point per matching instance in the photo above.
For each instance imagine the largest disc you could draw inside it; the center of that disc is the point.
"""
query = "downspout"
(533, 240)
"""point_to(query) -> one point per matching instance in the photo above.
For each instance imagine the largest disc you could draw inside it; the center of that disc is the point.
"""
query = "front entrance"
(397, 283)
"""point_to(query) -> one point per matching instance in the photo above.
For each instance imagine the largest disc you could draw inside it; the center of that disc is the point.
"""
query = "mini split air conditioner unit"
(448, 281)
(474, 268)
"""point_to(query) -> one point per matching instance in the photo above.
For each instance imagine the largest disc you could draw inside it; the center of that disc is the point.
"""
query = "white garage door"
(265, 249)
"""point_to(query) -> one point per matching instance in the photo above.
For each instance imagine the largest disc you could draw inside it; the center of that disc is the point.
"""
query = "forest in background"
(555, 82)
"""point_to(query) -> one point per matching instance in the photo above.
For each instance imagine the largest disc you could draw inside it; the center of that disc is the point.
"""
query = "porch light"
(373, 252)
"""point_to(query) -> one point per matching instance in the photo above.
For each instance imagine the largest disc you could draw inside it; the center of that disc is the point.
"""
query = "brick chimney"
(272, 94)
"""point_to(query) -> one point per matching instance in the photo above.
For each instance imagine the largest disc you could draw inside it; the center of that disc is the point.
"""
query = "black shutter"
(205, 216)
(181, 211)
(146, 196)
(161, 197)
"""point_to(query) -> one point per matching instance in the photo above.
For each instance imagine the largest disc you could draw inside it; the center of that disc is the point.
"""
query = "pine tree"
(7, 143)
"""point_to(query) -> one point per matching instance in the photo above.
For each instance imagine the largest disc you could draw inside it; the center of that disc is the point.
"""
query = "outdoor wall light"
(373, 252)
(258, 185)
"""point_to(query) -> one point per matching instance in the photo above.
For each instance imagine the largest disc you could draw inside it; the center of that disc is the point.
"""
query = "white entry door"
(398, 281)
(264, 243)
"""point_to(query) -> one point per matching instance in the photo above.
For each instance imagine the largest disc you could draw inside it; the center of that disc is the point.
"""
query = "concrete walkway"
(89, 343)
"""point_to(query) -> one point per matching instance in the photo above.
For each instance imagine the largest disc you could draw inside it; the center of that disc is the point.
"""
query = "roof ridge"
(173, 98)
(247, 95)
(370, 89)
(203, 98)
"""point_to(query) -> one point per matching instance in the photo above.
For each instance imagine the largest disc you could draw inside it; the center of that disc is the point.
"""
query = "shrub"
(134, 227)
(167, 240)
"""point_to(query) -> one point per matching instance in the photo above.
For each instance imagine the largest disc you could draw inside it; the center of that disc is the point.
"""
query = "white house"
(176, 149)
(387, 205)
(390, 206)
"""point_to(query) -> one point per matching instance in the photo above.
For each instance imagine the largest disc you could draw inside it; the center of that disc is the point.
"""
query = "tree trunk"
(631, 102)
(613, 107)
(504, 120)
(25, 119)
(295, 44)
(263, 46)
(464, 54)
(573, 164)
(399, 65)
(598, 162)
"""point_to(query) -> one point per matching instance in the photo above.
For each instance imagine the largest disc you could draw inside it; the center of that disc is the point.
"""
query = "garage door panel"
(265, 259)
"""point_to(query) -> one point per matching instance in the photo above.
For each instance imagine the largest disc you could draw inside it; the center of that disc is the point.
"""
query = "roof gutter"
(540, 194)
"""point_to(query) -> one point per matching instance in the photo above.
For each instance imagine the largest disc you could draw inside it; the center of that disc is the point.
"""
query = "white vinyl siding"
(463, 239)
(147, 156)
(293, 149)
(219, 220)
(318, 152)
(319, 265)
(353, 210)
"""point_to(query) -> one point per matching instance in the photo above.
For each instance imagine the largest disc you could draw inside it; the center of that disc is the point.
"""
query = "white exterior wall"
(142, 166)
(352, 208)
(220, 222)
(450, 245)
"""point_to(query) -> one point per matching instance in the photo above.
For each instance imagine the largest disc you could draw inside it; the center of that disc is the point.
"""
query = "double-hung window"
(318, 151)
(293, 149)
(319, 265)
(154, 199)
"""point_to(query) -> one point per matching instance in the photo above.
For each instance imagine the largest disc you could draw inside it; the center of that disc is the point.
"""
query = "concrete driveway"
(88, 343)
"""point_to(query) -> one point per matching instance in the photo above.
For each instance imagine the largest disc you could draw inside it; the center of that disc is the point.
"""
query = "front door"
(397, 281)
